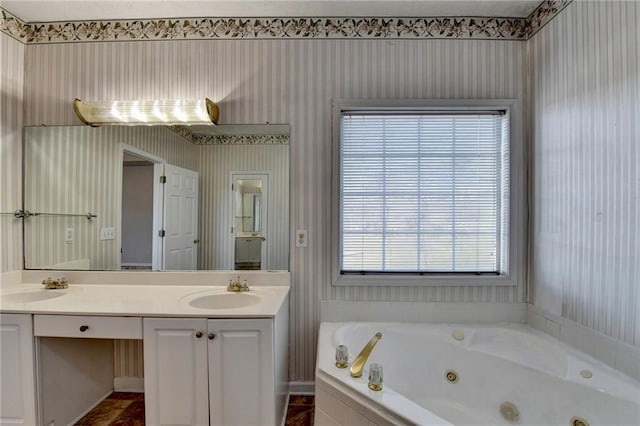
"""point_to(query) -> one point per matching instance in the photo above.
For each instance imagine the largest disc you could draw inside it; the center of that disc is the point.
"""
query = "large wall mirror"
(157, 198)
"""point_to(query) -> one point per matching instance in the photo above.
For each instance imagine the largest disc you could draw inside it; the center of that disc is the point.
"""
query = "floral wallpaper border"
(282, 28)
(545, 12)
(13, 26)
(230, 139)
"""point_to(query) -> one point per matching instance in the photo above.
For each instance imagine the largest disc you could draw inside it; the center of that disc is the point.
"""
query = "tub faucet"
(359, 361)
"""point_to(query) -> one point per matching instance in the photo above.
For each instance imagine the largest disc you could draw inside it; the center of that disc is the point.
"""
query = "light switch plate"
(301, 238)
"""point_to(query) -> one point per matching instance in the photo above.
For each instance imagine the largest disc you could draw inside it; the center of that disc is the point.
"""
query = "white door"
(180, 219)
(175, 371)
(241, 378)
(18, 402)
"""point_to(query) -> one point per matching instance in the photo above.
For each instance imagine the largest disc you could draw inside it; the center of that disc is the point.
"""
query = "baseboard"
(85, 412)
(302, 388)
(128, 384)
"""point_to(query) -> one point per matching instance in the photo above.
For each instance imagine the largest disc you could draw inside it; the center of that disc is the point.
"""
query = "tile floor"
(300, 410)
(118, 409)
(127, 409)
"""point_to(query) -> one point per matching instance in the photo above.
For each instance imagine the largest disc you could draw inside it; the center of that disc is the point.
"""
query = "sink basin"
(225, 301)
(30, 296)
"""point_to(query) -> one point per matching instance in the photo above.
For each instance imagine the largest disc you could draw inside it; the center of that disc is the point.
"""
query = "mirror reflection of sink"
(225, 301)
(30, 296)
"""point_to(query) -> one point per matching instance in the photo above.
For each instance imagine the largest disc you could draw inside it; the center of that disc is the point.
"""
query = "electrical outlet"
(107, 233)
(301, 238)
(68, 235)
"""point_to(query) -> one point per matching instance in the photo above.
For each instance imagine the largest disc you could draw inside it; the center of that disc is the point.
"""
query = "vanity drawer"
(87, 326)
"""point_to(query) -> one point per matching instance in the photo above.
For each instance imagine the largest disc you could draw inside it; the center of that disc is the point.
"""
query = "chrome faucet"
(358, 363)
(236, 286)
(56, 284)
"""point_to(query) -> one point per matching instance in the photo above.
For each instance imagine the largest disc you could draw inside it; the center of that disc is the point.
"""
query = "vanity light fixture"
(157, 112)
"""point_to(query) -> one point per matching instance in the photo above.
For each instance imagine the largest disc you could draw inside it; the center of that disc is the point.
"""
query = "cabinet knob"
(84, 328)
(211, 336)
(198, 334)
(196, 241)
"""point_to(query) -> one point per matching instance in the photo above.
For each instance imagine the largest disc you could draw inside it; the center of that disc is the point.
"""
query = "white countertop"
(144, 300)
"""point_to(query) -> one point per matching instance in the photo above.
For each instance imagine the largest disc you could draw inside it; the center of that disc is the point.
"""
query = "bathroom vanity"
(210, 356)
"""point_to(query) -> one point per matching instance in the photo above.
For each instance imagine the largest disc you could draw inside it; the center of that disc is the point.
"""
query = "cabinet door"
(241, 387)
(175, 371)
(18, 402)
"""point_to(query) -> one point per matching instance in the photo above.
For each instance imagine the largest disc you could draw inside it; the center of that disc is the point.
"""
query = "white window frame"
(516, 231)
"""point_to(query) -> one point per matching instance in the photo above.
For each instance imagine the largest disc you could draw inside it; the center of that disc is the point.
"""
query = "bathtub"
(548, 382)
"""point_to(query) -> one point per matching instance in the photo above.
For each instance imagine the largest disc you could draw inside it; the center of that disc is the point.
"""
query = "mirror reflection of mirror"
(115, 173)
(251, 216)
(248, 205)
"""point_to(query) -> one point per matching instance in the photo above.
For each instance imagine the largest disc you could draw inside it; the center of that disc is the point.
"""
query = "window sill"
(424, 281)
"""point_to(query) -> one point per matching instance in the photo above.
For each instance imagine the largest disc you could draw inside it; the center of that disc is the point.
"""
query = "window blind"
(423, 192)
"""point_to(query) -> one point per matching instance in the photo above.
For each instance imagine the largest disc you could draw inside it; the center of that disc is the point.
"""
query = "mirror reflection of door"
(180, 219)
(250, 196)
(159, 216)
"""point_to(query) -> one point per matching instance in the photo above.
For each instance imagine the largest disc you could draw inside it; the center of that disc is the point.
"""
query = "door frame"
(158, 202)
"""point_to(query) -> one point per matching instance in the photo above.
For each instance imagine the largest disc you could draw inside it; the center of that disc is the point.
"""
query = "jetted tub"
(535, 378)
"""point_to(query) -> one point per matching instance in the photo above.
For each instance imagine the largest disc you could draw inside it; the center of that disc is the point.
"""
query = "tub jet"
(509, 411)
(587, 374)
(578, 421)
(458, 334)
(451, 376)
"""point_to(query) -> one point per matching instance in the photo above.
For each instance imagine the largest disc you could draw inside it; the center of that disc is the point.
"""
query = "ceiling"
(87, 10)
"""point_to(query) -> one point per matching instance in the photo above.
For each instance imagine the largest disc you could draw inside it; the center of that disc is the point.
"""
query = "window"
(423, 191)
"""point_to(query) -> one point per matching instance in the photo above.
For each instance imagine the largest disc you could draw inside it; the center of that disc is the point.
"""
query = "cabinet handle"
(198, 334)
(212, 336)
(84, 328)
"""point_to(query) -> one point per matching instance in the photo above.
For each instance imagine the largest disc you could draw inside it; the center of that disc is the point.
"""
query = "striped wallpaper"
(78, 169)
(293, 81)
(128, 357)
(585, 76)
(11, 102)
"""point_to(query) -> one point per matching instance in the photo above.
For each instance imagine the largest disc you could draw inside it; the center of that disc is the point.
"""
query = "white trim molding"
(302, 388)
(128, 384)
(517, 228)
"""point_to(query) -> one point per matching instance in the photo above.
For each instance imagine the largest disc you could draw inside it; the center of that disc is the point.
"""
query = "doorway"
(141, 210)
(136, 251)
